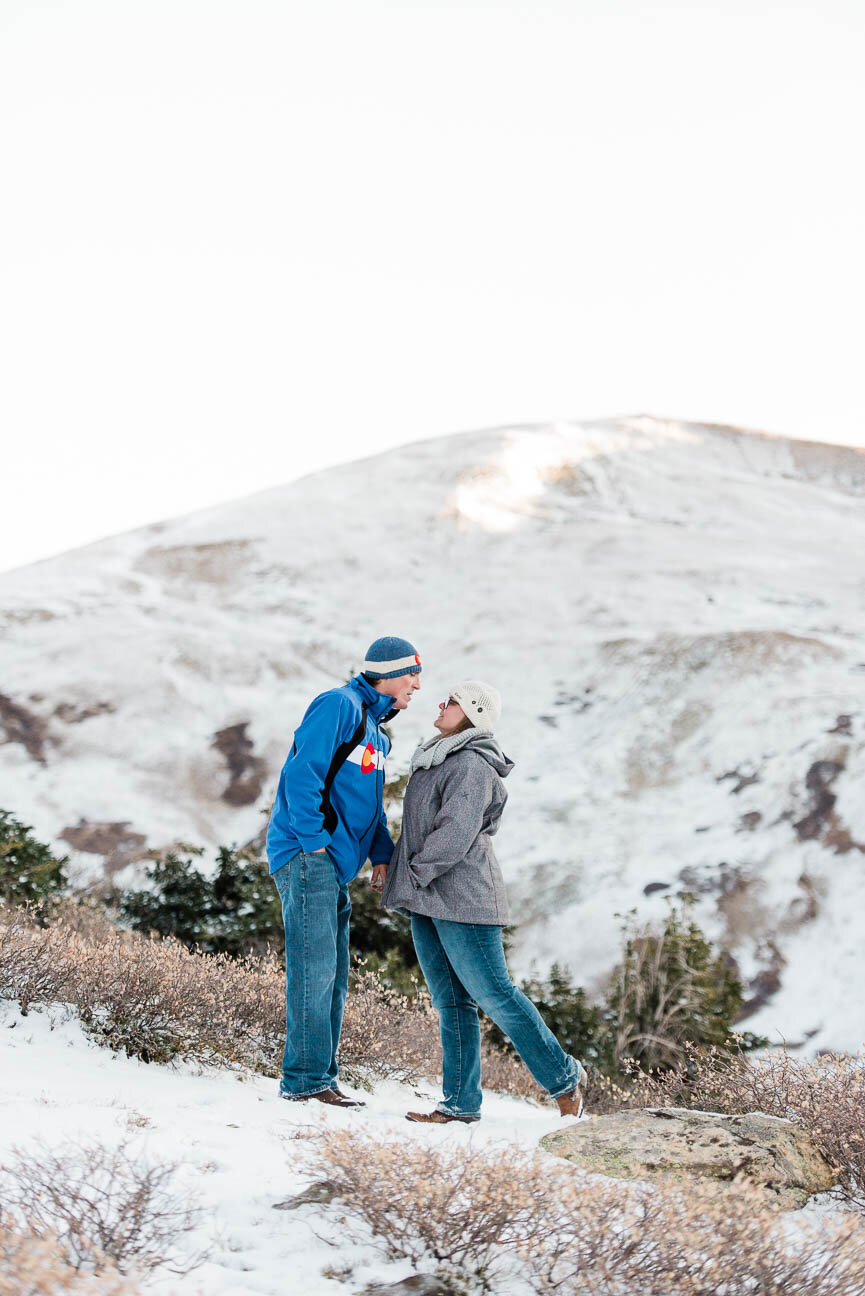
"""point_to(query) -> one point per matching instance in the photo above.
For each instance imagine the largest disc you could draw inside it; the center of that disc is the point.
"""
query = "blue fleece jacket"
(297, 817)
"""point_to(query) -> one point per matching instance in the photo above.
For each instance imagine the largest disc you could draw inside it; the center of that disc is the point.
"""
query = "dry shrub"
(154, 999)
(28, 973)
(32, 1265)
(103, 1208)
(157, 1000)
(491, 1216)
(386, 1034)
(825, 1095)
(389, 1035)
(85, 916)
(36, 1266)
(504, 1072)
(457, 1209)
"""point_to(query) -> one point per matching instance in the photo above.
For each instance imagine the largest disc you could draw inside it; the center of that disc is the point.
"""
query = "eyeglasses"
(449, 702)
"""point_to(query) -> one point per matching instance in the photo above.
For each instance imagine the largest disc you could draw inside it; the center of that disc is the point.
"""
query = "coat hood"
(484, 744)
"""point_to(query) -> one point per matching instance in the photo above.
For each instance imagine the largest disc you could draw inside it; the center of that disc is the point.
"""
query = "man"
(327, 819)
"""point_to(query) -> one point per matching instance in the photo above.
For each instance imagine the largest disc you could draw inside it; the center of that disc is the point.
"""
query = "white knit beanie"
(481, 702)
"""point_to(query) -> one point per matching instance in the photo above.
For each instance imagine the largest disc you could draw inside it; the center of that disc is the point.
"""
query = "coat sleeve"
(459, 820)
(319, 734)
(381, 850)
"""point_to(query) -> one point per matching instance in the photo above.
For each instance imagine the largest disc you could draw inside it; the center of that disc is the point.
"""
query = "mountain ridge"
(673, 612)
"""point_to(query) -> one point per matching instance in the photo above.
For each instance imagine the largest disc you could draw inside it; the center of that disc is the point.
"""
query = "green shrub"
(235, 911)
(29, 872)
(671, 990)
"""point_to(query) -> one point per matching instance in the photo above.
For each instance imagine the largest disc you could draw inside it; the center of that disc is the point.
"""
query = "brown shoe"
(571, 1104)
(357, 1101)
(330, 1097)
(439, 1118)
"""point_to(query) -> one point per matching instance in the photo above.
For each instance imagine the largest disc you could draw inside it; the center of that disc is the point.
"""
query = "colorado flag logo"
(367, 758)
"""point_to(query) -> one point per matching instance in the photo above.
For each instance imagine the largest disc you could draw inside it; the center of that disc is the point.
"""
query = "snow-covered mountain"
(674, 614)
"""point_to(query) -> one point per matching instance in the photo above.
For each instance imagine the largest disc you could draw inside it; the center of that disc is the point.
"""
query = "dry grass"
(486, 1217)
(103, 1208)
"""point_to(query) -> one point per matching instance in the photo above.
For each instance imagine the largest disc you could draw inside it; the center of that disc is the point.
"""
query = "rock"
(671, 1143)
(417, 1285)
(317, 1194)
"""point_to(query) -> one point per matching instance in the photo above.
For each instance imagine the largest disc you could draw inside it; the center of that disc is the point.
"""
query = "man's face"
(400, 688)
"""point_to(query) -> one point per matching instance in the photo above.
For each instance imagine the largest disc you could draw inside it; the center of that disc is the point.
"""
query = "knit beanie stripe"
(406, 665)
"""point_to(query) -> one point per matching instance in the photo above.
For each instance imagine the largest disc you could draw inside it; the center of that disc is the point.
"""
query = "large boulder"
(670, 1143)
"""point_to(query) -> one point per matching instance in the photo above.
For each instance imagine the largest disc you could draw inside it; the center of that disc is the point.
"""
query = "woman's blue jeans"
(315, 911)
(464, 966)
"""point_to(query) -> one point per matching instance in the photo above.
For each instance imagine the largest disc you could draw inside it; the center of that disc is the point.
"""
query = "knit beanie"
(481, 702)
(389, 657)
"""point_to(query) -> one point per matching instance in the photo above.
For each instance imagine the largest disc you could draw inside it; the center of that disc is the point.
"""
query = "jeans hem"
(307, 1093)
(569, 1085)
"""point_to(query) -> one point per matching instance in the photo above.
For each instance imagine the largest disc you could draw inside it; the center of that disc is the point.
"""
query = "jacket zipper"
(375, 816)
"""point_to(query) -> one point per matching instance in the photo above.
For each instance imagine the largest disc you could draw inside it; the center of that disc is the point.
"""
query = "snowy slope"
(238, 1149)
(674, 613)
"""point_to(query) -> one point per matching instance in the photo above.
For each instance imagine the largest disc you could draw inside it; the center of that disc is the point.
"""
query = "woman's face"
(451, 714)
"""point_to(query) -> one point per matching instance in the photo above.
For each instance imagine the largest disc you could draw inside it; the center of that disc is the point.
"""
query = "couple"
(328, 819)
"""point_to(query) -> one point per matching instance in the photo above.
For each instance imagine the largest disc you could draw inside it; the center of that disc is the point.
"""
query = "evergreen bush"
(235, 911)
(30, 873)
(381, 939)
(670, 991)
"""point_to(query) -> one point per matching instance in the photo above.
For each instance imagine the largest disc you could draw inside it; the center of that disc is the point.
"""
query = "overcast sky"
(244, 239)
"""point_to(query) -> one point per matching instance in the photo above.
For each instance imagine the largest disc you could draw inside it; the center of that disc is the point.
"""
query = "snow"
(661, 605)
(239, 1149)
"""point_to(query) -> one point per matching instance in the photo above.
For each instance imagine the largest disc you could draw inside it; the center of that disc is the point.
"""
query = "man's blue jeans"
(464, 966)
(315, 911)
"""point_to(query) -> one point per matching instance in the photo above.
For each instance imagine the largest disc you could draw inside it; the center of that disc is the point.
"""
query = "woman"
(444, 874)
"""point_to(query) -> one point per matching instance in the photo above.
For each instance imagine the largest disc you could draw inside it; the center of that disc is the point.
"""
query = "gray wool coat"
(444, 865)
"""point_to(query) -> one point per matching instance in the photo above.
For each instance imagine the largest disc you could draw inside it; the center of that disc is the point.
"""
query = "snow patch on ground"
(240, 1148)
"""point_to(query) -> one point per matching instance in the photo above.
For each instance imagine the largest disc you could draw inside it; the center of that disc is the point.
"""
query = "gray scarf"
(433, 752)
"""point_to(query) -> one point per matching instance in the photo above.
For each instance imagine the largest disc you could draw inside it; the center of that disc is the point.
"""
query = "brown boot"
(439, 1118)
(330, 1097)
(571, 1104)
(357, 1101)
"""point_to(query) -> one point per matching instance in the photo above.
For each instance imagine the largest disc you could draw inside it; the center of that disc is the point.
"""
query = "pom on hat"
(389, 657)
(481, 702)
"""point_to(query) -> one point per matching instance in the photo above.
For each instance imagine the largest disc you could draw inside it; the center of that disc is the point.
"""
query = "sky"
(242, 240)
